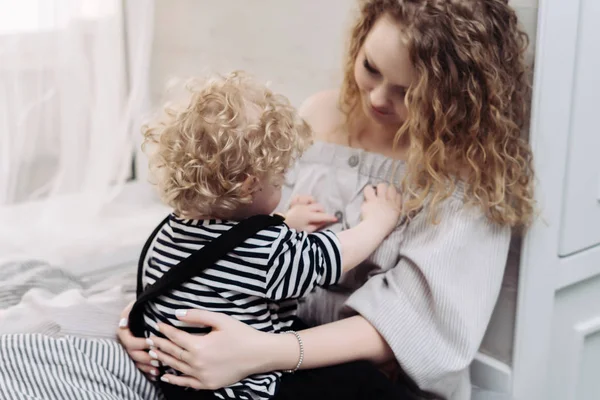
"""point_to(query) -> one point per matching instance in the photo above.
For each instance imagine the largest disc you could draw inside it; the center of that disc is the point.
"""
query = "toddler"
(219, 162)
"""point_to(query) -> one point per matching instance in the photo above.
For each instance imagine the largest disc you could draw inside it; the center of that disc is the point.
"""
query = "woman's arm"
(434, 306)
(233, 350)
(338, 342)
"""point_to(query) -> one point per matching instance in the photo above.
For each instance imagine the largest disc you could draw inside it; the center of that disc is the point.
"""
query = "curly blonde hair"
(467, 107)
(231, 129)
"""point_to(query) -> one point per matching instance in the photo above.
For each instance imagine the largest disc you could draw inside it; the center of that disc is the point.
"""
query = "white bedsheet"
(36, 297)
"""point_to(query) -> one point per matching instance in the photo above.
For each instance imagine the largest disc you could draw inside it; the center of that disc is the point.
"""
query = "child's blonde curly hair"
(233, 128)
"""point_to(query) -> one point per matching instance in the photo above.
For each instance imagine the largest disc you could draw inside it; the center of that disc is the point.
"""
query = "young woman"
(434, 99)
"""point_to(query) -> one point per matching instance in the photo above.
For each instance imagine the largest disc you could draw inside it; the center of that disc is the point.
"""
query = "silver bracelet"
(301, 358)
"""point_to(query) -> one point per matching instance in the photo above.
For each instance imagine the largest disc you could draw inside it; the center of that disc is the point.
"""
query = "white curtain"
(73, 87)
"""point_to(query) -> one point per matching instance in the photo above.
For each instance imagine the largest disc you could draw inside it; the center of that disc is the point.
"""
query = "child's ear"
(250, 185)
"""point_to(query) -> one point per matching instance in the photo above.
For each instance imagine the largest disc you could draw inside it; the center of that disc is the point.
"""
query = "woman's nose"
(378, 97)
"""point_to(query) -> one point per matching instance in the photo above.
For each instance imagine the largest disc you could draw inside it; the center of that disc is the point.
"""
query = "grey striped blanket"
(34, 366)
(53, 364)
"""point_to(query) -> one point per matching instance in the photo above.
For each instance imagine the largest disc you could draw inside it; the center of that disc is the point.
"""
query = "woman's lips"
(380, 111)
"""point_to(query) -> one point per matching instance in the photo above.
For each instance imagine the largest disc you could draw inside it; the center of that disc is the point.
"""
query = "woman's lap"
(359, 380)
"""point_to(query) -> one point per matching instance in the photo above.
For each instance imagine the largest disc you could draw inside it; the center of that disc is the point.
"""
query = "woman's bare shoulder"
(323, 114)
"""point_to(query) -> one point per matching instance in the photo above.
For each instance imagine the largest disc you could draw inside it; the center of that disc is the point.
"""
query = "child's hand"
(305, 214)
(305, 200)
(383, 206)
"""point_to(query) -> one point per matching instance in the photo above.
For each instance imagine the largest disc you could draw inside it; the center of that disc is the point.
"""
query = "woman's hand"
(234, 350)
(229, 353)
(137, 348)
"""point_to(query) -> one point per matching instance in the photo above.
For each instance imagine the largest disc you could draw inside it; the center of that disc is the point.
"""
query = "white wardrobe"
(557, 337)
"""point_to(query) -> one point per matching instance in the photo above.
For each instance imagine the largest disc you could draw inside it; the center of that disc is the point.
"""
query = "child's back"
(219, 160)
(224, 155)
(257, 283)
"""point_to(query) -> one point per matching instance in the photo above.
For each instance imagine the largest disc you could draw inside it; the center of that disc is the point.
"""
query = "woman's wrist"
(280, 352)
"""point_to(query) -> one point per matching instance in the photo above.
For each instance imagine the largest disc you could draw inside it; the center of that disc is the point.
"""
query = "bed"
(68, 295)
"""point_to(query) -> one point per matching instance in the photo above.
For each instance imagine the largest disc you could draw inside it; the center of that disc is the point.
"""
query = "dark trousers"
(358, 380)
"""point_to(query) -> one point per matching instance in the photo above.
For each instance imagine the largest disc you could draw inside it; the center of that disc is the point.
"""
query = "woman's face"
(383, 73)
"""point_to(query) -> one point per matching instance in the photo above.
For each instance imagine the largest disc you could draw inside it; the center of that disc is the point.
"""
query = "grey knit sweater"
(429, 289)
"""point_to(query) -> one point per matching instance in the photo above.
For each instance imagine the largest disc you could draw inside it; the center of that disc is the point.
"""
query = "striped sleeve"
(301, 261)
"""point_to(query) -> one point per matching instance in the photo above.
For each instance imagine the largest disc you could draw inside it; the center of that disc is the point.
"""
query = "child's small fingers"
(369, 193)
(382, 190)
(305, 200)
(391, 192)
(321, 218)
(398, 199)
(316, 207)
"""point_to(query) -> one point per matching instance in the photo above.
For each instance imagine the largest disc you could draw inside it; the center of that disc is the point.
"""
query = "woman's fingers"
(202, 318)
(149, 370)
(171, 361)
(135, 346)
(170, 348)
(181, 338)
(185, 381)
(133, 343)
(140, 357)
(126, 311)
(130, 342)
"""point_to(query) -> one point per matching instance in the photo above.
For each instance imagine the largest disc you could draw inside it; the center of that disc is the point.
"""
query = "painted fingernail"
(181, 313)
(154, 372)
(164, 379)
(155, 363)
(123, 323)
(153, 354)
(150, 342)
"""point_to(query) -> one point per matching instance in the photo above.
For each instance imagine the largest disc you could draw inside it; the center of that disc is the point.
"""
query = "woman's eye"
(370, 68)
(401, 92)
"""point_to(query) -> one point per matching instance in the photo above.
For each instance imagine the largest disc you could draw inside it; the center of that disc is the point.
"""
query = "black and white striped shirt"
(258, 283)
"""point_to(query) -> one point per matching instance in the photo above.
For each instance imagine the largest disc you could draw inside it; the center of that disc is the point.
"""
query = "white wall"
(295, 44)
